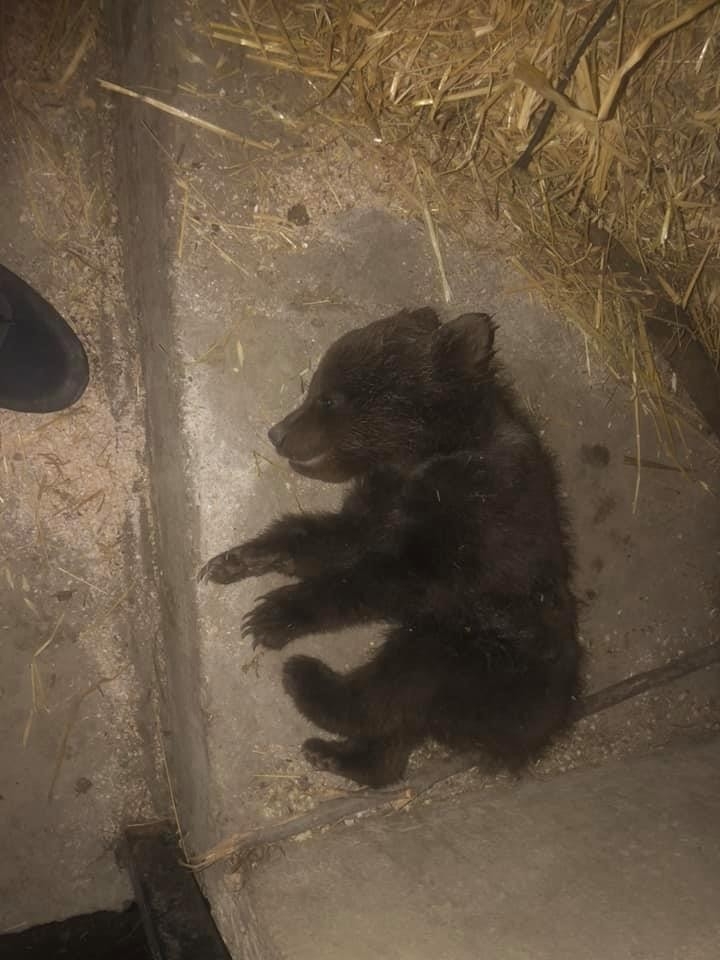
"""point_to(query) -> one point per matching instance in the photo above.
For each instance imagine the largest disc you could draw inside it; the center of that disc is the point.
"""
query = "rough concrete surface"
(79, 751)
(252, 300)
(235, 304)
(250, 325)
(619, 862)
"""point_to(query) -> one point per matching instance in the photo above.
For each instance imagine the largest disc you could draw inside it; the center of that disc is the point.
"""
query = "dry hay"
(630, 155)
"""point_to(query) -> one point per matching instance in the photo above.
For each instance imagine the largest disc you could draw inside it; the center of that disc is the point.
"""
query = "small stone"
(298, 215)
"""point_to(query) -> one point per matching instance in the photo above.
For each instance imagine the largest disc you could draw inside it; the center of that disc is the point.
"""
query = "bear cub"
(451, 534)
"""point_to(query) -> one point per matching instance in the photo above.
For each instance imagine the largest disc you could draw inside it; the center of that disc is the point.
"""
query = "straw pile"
(592, 127)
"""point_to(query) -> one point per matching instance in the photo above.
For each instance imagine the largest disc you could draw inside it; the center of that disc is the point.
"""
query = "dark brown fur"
(451, 534)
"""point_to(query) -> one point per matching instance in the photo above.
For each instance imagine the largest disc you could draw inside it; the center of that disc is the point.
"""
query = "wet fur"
(451, 534)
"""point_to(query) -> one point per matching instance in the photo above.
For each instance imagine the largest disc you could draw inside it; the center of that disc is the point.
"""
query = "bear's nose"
(277, 435)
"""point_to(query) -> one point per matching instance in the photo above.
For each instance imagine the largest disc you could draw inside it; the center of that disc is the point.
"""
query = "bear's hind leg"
(390, 695)
(369, 761)
(320, 694)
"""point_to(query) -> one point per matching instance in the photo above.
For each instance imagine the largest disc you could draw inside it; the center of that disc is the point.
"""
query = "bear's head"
(377, 395)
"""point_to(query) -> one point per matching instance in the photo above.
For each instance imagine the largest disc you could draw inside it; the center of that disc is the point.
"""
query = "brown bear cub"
(451, 533)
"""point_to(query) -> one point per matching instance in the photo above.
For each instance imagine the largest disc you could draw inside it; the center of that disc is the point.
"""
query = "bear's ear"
(465, 344)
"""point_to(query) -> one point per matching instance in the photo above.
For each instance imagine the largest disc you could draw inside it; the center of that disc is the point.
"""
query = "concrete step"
(620, 861)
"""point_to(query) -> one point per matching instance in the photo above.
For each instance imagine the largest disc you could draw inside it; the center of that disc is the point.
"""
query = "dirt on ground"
(77, 607)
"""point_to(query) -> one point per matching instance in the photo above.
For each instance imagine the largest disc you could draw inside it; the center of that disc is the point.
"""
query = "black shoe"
(43, 366)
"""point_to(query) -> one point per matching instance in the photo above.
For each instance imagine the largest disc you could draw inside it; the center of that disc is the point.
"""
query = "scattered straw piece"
(101, 618)
(223, 254)
(432, 232)
(36, 684)
(188, 117)
(535, 79)
(183, 219)
(654, 464)
(694, 279)
(77, 702)
(251, 25)
(74, 576)
(168, 778)
(636, 411)
(76, 60)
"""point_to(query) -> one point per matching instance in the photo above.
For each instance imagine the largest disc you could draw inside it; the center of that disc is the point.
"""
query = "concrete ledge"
(138, 35)
(616, 862)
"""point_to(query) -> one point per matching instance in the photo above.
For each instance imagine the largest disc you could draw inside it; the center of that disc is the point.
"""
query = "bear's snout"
(277, 434)
(299, 437)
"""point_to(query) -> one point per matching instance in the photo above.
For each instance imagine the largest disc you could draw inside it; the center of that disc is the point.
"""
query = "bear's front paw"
(239, 563)
(227, 567)
(277, 618)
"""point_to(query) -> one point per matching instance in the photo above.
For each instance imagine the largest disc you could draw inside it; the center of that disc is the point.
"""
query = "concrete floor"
(234, 306)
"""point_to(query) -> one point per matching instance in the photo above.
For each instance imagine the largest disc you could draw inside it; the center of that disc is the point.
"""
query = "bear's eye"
(326, 401)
